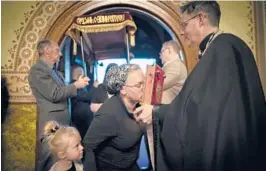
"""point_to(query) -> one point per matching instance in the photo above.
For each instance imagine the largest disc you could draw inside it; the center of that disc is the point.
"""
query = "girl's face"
(74, 149)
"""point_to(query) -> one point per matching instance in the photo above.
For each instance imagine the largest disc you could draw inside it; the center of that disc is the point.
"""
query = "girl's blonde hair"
(58, 136)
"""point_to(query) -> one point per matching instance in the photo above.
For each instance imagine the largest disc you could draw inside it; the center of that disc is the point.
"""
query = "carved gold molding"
(22, 54)
(251, 33)
(165, 11)
(260, 21)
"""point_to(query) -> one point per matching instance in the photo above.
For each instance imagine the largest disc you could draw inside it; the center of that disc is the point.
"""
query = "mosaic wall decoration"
(22, 55)
(18, 138)
(251, 27)
(264, 14)
(19, 128)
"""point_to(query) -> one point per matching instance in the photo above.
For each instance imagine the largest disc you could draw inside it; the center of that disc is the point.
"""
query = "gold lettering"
(94, 20)
(111, 18)
(122, 17)
(119, 18)
(101, 19)
(80, 20)
(106, 19)
(90, 20)
(84, 20)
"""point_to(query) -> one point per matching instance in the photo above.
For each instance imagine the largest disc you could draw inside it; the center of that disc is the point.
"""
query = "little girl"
(65, 143)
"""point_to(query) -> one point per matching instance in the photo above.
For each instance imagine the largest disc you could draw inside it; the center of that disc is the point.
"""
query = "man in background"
(81, 115)
(174, 70)
(51, 94)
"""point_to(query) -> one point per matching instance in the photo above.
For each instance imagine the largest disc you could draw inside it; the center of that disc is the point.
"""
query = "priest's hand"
(144, 114)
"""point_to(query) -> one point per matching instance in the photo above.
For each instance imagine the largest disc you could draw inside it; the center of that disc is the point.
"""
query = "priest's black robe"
(218, 120)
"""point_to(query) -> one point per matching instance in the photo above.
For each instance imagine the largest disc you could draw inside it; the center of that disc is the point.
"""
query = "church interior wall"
(23, 24)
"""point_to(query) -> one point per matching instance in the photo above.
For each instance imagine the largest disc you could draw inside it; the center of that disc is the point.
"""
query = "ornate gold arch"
(165, 11)
(52, 19)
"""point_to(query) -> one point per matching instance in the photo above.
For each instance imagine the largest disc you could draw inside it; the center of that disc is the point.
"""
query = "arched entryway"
(164, 13)
(51, 20)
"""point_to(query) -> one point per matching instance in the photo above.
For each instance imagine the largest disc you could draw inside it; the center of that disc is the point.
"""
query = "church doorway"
(156, 22)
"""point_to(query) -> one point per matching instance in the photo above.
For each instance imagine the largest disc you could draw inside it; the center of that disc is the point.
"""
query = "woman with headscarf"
(100, 94)
(113, 140)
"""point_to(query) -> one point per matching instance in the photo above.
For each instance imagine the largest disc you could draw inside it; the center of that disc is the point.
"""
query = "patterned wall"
(264, 26)
(264, 13)
(262, 47)
(22, 54)
(238, 18)
(18, 132)
(18, 138)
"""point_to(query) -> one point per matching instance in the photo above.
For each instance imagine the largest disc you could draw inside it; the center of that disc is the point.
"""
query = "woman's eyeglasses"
(139, 85)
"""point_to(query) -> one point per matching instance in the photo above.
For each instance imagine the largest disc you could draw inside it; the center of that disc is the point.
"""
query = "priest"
(218, 120)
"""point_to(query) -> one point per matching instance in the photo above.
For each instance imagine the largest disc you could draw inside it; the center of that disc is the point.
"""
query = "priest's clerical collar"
(204, 42)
